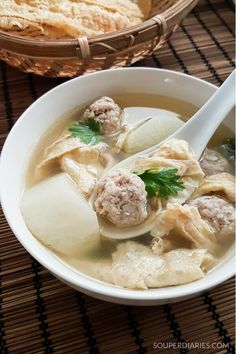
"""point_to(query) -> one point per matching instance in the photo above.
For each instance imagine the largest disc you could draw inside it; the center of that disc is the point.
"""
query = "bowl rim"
(78, 279)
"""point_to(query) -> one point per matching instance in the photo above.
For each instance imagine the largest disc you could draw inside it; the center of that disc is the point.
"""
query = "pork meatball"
(213, 162)
(218, 213)
(122, 198)
(107, 113)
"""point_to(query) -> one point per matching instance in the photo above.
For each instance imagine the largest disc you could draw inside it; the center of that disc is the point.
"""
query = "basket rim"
(167, 15)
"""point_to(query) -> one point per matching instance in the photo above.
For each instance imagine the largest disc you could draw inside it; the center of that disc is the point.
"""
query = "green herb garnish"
(228, 149)
(94, 125)
(161, 183)
(88, 132)
(230, 142)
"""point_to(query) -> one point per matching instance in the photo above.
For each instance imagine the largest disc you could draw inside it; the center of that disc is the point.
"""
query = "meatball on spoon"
(197, 132)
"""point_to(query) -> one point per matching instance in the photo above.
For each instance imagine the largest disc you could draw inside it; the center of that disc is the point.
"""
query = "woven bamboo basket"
(73, 57)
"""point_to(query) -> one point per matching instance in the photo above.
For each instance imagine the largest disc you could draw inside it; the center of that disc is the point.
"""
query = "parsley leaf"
(231, 143)
(161, 183)
(228, 149)
(88, 132)
(95, 126)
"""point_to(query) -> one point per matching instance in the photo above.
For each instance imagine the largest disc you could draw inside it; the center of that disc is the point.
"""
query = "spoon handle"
(198, 131)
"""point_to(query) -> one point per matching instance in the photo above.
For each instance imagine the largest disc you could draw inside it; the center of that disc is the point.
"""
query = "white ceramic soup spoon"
(197, 132)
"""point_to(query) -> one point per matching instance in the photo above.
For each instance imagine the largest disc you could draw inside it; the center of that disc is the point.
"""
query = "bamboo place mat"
(38, 313)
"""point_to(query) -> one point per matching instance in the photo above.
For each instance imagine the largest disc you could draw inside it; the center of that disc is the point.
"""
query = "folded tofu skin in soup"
(184, 209)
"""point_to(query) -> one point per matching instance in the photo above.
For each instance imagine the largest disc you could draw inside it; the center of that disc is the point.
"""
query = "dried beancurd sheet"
(68, 18)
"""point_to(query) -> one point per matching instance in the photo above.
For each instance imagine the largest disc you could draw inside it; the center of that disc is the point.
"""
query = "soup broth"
(180, 109)
(90, 261)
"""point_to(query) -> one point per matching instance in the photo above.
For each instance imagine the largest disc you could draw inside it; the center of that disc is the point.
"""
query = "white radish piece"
(151, 132)
(58, 215)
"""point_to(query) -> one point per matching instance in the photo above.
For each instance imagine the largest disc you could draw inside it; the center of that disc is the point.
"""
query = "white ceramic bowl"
(35, 121)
